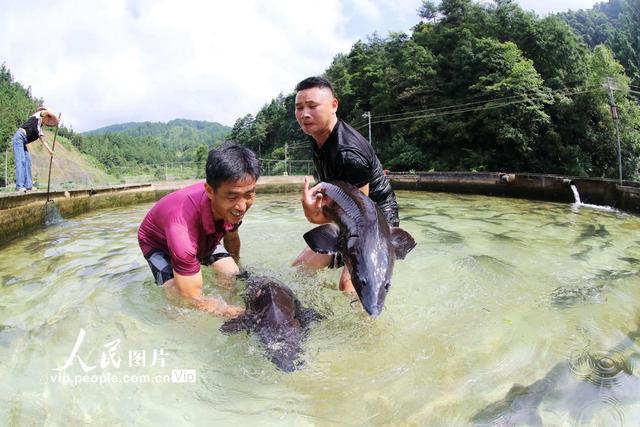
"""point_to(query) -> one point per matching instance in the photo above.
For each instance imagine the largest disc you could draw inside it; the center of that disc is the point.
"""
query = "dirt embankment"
(69, 168)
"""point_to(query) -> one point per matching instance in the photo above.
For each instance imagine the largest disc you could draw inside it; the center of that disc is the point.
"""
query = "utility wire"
(469, 107)
(358, 123)
(464, 110)
(481, 99)
(484, 101)
(436, 113)
(484, 98)
(299, 146)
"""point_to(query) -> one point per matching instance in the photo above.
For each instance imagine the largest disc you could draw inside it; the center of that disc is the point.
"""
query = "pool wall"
(22, 213)
(554, 188)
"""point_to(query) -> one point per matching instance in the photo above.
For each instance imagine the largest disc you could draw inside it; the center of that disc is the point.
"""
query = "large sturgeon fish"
(276, 317)
(360, 233)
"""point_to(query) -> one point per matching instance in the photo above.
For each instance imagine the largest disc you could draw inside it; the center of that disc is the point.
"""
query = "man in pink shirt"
(184, 229)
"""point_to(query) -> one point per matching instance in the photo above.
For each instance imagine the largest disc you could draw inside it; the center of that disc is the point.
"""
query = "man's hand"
(189, 288)
(312, 204)
(218, 307)
(232, 311)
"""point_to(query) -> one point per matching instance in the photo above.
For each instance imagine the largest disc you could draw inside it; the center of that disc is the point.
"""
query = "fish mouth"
(370, 298)
(372, 311)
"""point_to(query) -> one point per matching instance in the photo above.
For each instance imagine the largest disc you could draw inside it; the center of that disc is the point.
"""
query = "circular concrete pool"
(506, 312)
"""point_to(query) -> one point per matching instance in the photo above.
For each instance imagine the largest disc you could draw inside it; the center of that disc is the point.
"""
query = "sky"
(104, 62)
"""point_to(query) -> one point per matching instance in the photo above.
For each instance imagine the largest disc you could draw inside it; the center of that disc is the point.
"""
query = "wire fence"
(273, 167)
(67, 175)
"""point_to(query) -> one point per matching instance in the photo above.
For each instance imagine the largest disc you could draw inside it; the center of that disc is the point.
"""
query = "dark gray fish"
(590, 231)
(610, 378)
(563, 297)
(276, 317)
(360, 233)
(8, 334)
(520, 405)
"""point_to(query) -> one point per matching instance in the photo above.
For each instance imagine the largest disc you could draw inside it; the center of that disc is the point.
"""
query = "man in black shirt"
(339, 153)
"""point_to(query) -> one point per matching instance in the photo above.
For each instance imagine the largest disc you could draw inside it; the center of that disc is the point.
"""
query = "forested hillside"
(16, 104)
(133, 144)
(476, 87)
(615, 24)
(70, 167)
(473, 87)
(123, 149)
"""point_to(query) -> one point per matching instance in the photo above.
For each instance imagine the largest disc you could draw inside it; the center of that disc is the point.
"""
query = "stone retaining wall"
(554, 188)
(21, 213)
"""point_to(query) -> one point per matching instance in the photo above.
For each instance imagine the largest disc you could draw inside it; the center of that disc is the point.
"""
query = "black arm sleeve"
(354, 168)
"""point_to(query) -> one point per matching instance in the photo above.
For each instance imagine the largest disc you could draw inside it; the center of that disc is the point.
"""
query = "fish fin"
(346, 196)
(235, 325)
(516, 390)
(402, 242)
(323, 239)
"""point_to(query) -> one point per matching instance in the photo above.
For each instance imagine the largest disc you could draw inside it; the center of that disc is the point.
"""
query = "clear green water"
(496, 293)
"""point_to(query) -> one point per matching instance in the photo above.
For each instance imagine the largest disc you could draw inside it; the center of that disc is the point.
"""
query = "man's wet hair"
(316, 81)
(231, 162)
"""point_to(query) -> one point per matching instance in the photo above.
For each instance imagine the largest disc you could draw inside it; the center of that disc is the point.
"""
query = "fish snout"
(371, 298)
(373, 311)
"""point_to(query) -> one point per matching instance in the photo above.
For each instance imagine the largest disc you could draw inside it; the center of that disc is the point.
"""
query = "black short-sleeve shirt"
(347, 156)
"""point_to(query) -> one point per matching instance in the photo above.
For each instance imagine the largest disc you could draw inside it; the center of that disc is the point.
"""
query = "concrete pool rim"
(22, 213)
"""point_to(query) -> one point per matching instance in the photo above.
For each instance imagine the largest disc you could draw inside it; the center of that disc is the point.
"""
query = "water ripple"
(606, 411)
(599, 368)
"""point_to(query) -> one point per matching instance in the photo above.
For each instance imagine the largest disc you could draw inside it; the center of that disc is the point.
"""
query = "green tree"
(480, 87)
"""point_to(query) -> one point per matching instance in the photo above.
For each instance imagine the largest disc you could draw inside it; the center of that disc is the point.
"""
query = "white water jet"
(578, 203)
(576, 195)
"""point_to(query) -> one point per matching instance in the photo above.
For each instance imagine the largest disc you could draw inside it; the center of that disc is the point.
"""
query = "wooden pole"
(55, 135)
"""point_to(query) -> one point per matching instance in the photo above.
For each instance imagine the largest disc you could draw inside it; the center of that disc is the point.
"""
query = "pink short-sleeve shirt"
(182, 225)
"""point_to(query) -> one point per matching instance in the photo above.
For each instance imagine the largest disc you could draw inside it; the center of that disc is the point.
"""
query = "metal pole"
(286, 147)
(6, 162)
(619, 150)
(368, 116)
(616, 120)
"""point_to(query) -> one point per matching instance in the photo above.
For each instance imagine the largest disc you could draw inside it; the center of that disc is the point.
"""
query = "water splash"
(578, 203)
(52, 214)
(576, 195)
